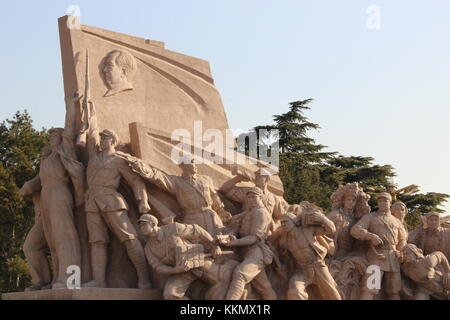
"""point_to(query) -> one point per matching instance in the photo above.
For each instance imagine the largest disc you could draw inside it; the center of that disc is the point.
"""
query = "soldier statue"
(106, 208)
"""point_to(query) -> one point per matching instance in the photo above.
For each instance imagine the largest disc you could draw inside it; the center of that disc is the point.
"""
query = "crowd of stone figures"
(268, 250)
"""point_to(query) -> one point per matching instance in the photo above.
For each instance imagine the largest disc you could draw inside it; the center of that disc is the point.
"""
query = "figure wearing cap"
(431, 236)
(106, 208)
(386, 238)
(195, 194)
(276, 205)
(302, 236)
(178, 250)
(51, 190)
(252, 231)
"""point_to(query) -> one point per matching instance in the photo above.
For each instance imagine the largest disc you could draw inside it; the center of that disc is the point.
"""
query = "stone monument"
(135, 200)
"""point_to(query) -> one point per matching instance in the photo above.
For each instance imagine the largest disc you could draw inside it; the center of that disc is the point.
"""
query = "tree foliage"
(20, 146)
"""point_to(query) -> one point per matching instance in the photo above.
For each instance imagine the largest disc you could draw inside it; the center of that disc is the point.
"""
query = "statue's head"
(433, 220)
(288, 221)
(399, 210)
(189, 167)
(148, 224)
(351, 198)
(350, 201)
(55, 136)
(254, 197)
(384, 200)
(410, 252)
(262, 177)
(108, 139)
(119, 69)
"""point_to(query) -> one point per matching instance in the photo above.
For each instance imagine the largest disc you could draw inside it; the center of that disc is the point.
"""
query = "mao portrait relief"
(118, 70)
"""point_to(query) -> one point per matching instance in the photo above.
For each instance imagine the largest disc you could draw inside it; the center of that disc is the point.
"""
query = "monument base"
(86, 294)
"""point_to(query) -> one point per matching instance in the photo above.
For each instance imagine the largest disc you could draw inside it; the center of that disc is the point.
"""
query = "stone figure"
(432, 237)
(399, 211)
(253, 230)
(106, 208)
(176, 250)
(54, 226)
(384, 232)
(195, 194)
(276, 205)
(118, 70)
(430, 273)
(348, 263)
(301, 236)
(350, 203)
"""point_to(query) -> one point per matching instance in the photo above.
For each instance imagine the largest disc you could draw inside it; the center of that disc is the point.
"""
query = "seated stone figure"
(174, 249)
(430, 273)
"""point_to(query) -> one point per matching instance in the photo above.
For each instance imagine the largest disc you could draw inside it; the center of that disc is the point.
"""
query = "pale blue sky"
(381, 93)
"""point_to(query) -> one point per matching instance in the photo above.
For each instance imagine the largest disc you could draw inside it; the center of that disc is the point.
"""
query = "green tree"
(371, 177)
(20, 146)
(302, 160)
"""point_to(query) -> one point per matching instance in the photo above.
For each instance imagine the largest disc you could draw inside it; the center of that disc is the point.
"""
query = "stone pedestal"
(86, 294)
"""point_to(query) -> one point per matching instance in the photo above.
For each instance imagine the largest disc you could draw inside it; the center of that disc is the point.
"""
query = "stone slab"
(85, 294)
(169, 91)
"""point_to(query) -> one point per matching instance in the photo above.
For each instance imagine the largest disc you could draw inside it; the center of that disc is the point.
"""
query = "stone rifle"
(85, 114)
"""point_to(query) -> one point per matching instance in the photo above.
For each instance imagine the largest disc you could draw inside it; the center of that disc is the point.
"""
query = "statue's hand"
(317, 217)
(25, 190)
(180, 269)
(72, 101)
(77, 97)
(400, 256)
(374, 239)
(224, 215)
(140, 167)
(217, 252)
(225, 240)
(243, 177)
(144, 207)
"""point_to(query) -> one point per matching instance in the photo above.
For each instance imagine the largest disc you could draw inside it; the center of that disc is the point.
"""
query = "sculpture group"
(236, 240)
(270, 250)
